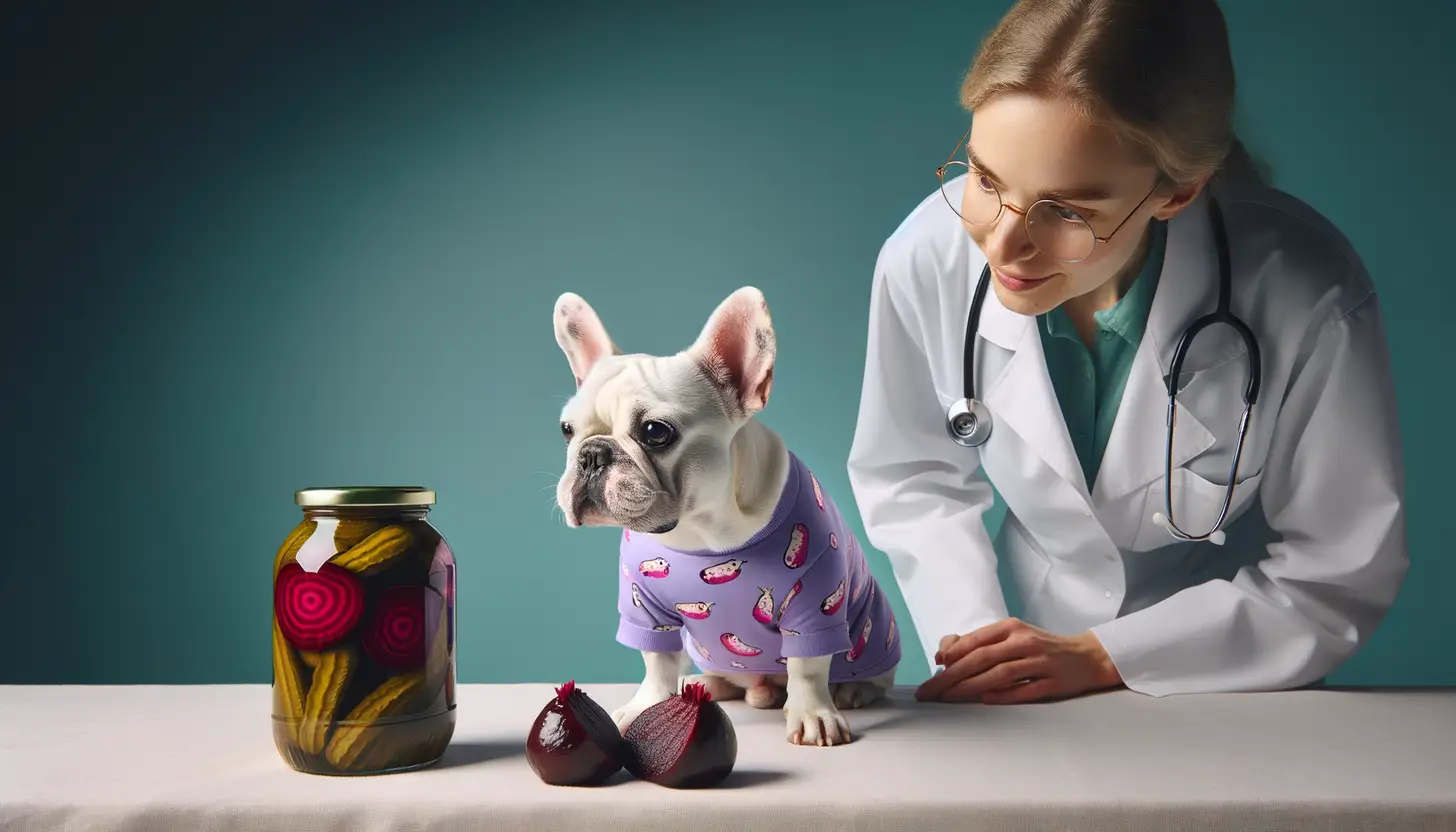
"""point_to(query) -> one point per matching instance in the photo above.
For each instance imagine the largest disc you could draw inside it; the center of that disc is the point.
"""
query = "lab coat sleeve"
(921, 497)
(1332, 492)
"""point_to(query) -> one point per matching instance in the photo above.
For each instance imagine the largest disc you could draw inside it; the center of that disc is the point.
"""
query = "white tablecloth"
(202, 758)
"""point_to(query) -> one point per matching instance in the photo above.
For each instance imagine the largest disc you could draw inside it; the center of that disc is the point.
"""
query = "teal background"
(269, 247)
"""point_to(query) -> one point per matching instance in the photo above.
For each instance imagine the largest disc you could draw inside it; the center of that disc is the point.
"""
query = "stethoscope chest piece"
(968, 422)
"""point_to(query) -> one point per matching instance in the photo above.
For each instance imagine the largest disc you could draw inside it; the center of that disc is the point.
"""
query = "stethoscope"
(968, 421)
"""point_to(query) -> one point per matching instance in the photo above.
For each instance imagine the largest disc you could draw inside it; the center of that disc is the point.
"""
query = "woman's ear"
(1179, 197)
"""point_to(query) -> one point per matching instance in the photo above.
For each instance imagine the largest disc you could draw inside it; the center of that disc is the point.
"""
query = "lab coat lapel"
(1137, 448)
(1022, 398)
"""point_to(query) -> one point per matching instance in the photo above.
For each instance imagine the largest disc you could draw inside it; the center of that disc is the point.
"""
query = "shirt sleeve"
(1333, 493)
(643, 622)
(815, 620)
(922, 500)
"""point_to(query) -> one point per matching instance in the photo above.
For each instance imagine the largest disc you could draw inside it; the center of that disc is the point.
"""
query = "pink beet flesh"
(683, 742)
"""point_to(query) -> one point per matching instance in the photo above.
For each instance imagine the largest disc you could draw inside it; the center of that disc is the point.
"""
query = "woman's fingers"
(945, 645)
(1003, 676)
(989, 634)
(972, 664)
(1036, 690)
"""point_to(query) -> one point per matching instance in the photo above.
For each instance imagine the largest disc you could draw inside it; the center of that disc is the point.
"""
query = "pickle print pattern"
(799, 587)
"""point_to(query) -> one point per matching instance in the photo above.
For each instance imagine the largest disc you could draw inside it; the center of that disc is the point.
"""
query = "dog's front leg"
(812, 717)
(659, 682)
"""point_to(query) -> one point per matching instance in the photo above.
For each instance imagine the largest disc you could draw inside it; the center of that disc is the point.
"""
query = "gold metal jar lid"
(365, 495)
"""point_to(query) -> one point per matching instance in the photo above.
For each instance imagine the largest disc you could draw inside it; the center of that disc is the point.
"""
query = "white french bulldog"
(668, 447)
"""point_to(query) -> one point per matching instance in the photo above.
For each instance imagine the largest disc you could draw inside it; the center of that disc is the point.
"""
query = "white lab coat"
(1316, 542)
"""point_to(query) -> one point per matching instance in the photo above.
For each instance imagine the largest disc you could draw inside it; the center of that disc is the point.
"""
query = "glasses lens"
(1059, 232)
(977, 202)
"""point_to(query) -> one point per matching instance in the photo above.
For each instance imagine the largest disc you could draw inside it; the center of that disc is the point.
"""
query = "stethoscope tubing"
(969, 422)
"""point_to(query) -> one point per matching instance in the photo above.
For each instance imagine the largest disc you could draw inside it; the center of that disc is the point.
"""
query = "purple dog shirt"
(800, 587)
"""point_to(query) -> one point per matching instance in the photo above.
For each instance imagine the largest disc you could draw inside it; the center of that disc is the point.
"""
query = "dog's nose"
(595, 456)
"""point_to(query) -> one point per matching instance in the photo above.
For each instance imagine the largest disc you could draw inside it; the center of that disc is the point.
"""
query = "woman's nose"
(1006, 240)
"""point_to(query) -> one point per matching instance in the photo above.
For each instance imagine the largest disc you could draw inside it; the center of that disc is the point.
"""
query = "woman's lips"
(1018, 284)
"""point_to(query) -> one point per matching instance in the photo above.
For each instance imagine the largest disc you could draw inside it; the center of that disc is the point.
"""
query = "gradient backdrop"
(257, 249)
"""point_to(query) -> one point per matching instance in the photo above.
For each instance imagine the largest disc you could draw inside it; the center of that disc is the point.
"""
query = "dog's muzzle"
(595, 457)
(593, 461)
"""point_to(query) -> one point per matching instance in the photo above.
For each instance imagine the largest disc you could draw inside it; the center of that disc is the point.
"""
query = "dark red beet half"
(316, 610)
(574, 741)
(395, 637)
(683, 742)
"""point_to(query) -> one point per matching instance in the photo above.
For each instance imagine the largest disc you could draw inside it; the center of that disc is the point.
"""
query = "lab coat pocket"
(1196, 505)
(1028, 562)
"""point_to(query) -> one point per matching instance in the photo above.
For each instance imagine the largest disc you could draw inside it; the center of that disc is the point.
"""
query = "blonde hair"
(1158, 73)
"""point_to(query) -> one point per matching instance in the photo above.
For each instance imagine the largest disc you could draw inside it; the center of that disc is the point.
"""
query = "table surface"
(159, 758)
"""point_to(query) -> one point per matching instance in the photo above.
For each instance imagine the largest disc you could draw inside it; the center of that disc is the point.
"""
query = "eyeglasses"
(1055, 229)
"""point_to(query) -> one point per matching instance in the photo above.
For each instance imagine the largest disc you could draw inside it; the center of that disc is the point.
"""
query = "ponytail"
(1239, 165)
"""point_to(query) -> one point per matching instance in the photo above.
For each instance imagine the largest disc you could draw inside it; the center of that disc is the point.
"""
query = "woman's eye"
(1068, 214)
(566, 431)
(656, 434)
(985, 184)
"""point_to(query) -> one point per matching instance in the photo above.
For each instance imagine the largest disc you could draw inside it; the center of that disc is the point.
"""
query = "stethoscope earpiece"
(968, 422)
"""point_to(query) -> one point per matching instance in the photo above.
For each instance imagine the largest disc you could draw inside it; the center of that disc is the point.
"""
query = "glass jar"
(363, 633)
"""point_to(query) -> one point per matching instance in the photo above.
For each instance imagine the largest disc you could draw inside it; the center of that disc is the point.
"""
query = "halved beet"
(685, 741)
(316, 610)
(573, 741)
(395, 637)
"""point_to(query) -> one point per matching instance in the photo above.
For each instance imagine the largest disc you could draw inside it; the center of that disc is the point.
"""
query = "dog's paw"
(852, 695)
(643, 700)
(624, 715)
(719, 688)
(765, 695)
(816, 724)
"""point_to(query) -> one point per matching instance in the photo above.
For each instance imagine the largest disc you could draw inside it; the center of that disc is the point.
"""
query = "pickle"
(351, 532)
(395, 748)
(330, 678)
(437, 658)
(358, 731)
(376, 551)
(287, 682)
(291, 544)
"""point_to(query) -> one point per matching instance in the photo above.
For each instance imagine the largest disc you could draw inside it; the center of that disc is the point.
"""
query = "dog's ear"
(736, 348)
(580, 334)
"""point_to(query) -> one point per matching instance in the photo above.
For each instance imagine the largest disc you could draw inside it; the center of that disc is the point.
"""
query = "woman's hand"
(1011, 662)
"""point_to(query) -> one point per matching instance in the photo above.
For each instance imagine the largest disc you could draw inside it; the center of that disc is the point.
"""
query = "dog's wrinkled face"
(648, 437)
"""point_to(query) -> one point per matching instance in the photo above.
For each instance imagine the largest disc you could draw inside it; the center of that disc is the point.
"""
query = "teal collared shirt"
(1089, 382)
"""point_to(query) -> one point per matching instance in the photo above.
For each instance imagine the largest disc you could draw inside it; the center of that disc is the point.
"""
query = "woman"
(1100, 158)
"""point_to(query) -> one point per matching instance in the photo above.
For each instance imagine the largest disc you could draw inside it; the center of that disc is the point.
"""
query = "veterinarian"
(1102, 196)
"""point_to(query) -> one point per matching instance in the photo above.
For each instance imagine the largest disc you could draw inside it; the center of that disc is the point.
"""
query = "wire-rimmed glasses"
(1055, 229)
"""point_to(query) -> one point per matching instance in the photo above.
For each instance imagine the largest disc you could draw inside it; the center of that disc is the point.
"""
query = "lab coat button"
(1107, 594)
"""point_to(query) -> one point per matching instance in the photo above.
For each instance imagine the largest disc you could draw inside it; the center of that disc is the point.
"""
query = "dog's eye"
(566, 431)
(656, 434)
